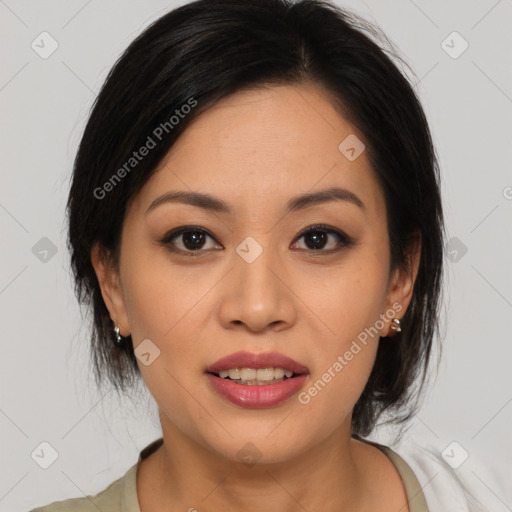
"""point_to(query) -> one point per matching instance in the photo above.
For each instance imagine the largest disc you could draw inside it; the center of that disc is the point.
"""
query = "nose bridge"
(253, 263)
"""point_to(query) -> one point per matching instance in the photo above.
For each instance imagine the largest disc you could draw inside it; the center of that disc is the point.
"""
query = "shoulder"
(449, 474)
(111, 499)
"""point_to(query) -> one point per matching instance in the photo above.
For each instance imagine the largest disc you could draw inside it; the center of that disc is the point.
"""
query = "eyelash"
(344, 240)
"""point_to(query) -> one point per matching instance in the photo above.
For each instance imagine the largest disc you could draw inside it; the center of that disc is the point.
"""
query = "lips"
(257, 396)
(251, 360)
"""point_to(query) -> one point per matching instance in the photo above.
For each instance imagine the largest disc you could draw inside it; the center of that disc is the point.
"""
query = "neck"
(183, 472)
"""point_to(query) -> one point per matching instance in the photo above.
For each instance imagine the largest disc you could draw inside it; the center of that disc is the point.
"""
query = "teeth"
(255, 375)
(248, 373)
(264, 374)
(259, 382)
(234, 374)
(278, 373)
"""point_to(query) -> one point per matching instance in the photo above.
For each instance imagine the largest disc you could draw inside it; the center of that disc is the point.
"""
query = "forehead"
(265, 144)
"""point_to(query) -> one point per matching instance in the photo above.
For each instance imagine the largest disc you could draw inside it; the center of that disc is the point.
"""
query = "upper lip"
(250, 360)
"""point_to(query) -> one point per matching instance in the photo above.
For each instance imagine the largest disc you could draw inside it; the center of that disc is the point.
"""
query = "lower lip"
(257, 396)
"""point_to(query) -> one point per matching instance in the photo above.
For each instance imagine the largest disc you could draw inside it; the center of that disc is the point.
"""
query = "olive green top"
(121, 495)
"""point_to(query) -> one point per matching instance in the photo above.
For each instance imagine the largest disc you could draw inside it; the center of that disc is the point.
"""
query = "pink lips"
(257, 396)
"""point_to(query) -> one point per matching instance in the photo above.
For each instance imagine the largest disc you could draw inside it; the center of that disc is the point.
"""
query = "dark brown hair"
(208, 49)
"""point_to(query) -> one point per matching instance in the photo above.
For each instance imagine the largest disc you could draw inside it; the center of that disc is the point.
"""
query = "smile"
(256, 380)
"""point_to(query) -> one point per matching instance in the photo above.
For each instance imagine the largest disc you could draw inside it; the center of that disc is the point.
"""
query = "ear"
(401, 286)
(110, 285)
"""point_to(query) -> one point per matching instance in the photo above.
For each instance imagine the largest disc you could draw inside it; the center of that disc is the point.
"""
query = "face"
(258, 276)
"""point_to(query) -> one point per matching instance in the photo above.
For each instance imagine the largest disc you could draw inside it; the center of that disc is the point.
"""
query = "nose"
(256, 295)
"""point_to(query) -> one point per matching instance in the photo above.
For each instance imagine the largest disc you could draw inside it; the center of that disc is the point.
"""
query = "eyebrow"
(209, 202)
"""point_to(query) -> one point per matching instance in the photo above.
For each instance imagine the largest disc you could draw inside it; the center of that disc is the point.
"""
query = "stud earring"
(394, 328)
(118, 339)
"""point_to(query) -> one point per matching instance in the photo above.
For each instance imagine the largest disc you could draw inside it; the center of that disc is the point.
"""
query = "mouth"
(257, 380)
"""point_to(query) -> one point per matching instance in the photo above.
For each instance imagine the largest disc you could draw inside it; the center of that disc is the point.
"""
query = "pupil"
(192, 238)
(317, 236)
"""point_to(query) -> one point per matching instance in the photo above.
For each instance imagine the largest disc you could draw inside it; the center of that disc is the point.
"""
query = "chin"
(259, 449)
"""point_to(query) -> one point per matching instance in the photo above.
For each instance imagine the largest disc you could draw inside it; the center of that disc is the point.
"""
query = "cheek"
(337, 382)
(162, 306)
(167, 306)
(159, 297)
(346, 308)
(345, 300)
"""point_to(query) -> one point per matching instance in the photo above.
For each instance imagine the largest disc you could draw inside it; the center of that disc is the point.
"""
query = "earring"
(118, 339)
(394, 328)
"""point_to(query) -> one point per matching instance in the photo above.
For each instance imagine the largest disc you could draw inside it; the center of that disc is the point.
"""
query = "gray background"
(47, 390)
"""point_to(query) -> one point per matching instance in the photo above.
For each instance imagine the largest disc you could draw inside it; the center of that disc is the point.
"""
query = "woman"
(255, 219)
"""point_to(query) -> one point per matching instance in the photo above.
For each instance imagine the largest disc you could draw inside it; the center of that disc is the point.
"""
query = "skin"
(255, 150)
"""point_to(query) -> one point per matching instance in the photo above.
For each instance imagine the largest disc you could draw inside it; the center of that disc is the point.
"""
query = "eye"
(317, 238)
(189, 239)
